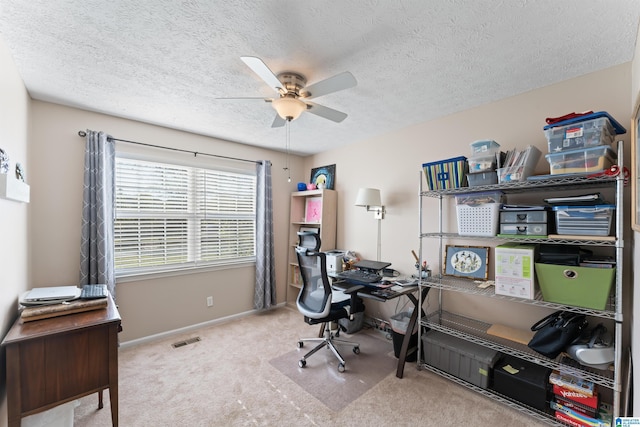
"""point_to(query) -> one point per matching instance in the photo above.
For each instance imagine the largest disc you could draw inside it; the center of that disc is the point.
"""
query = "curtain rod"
(195, 153)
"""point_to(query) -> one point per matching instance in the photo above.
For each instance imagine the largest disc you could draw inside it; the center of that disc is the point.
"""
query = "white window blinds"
(171, 217)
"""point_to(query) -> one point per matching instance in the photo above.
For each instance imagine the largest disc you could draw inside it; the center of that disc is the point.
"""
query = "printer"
(334, 260)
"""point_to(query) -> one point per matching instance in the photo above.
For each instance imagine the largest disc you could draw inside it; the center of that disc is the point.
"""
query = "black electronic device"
(372, 266)
(359, 277)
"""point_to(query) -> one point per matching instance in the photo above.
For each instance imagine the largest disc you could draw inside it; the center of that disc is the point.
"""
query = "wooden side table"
(54, 361)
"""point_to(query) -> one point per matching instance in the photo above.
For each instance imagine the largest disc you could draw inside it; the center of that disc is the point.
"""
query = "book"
(572, 382)
(579, 419)
(575, 396)
(78, 306)
(589, 412)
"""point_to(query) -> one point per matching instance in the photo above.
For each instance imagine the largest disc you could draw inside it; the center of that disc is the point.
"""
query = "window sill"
(136, 277)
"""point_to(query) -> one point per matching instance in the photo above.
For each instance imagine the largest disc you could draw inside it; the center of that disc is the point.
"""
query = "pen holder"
(423, 271)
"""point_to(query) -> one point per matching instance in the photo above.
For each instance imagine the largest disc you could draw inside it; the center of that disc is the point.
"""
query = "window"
(171, 217)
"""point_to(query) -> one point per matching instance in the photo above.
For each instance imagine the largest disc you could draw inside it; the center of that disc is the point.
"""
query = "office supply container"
(587, 287)
(484, 146)
(482, 178)
(463, 359)
(482, 163)
(445, 174)
(524, 216)
(530, 229)
(585, 134)
(523, 381)
(584, 220)
(478, 213)
(594, 159)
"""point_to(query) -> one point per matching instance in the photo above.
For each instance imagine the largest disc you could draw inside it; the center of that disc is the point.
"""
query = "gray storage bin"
(530, 229)
(519, 217)
(466, 360)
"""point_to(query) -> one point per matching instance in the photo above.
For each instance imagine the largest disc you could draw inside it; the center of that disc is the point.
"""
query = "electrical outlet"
(209, 301)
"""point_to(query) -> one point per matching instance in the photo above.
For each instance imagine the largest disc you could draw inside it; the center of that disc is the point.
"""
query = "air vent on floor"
(185, 342)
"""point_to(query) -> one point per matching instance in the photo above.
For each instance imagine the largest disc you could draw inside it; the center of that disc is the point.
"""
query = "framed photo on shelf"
(469, 262)
(324, 176)
(313, 209)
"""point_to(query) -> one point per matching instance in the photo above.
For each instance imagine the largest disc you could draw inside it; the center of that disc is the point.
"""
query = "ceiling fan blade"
(332, 84)
(326, 112)
(278, 122)
(261, 69)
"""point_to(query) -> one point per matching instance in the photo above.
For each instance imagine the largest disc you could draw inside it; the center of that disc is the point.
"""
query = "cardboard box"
(515, 271)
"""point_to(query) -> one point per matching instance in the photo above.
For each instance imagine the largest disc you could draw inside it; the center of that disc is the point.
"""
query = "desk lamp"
(370, 198)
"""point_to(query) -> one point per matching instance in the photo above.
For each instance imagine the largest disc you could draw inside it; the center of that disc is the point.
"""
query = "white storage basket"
(478, 220)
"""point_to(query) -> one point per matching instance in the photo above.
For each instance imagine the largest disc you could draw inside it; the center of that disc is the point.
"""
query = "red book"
(570, 420)
(574, 396)
(574, 407)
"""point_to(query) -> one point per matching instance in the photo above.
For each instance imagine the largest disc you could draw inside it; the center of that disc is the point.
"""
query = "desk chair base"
(329, 340)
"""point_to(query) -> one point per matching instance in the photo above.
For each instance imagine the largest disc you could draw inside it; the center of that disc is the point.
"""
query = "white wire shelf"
(470, 287)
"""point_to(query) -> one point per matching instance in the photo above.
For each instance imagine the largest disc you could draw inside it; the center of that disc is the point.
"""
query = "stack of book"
(576, 402)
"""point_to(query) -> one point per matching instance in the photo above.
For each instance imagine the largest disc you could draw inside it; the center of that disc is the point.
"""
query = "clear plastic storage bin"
(589, 133)
(584, 220)
(482, 178)
(484, 146)
(593, 159)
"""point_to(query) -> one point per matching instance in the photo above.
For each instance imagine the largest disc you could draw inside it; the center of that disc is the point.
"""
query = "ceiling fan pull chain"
(287, 143)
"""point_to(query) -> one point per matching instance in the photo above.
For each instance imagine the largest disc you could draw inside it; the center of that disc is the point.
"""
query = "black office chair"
(315, 299)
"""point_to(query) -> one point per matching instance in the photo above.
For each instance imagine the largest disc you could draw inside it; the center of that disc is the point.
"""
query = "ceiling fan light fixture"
(289, 108)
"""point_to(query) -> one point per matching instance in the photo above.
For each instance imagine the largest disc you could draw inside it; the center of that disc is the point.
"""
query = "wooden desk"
(57, 360)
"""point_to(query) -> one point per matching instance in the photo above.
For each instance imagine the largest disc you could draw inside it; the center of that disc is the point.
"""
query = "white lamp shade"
(368, 197)
(289, 108)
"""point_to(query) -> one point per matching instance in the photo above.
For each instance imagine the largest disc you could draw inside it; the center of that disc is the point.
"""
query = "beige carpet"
(226, 379)
(321, 378)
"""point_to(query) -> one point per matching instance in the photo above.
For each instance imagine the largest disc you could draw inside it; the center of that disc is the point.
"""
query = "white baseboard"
(189, 328)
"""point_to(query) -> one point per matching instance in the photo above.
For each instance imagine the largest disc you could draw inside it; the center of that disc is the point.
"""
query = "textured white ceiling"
(165, 62)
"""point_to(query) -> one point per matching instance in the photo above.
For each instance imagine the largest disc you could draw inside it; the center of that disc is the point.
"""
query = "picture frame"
(635, 167)
(324, 175)
(469, 262)
(313, 210)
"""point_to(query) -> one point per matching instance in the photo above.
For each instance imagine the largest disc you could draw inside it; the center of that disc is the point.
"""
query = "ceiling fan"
(293, 95)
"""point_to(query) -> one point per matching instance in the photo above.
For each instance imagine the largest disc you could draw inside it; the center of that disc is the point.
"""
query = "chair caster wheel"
(356, 350)
(341, 367)
(302, 363)
(300, 344)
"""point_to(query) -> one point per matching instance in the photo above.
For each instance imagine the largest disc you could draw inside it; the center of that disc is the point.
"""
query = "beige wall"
(393, 162)
(159, 304)
(635, 318)
(14, 247)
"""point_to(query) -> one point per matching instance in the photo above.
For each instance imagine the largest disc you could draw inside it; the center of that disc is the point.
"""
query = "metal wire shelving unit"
(476, 331)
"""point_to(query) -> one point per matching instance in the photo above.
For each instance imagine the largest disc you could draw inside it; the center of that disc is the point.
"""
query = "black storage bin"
(523, 381)
(559, 254)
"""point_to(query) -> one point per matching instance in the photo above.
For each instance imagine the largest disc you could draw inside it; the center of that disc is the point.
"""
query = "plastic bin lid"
(576, 208)
(616, 126)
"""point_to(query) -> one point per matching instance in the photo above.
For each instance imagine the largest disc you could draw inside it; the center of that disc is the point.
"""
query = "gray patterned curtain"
(265, 290)
(96, 248)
